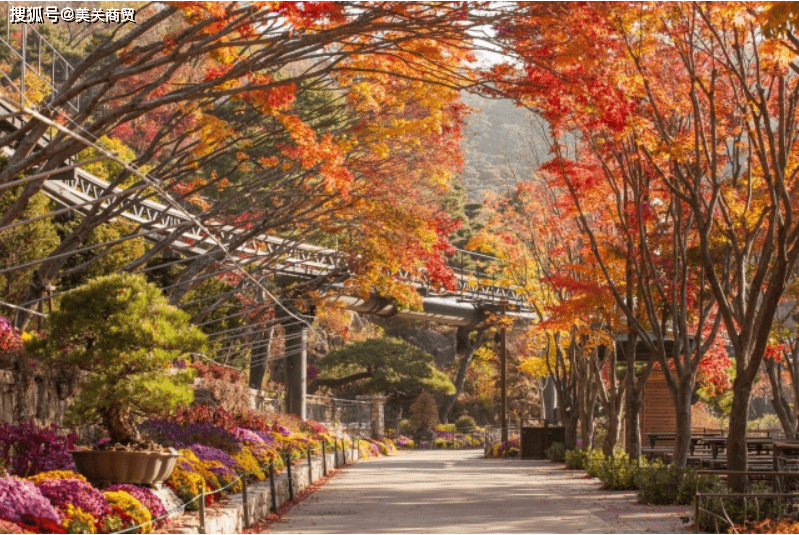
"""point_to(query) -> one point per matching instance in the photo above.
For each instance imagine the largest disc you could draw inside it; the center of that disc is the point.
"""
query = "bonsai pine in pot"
(123, 332)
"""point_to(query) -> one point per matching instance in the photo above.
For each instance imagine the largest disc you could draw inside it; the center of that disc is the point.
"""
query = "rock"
(169, 499)
(441, 347)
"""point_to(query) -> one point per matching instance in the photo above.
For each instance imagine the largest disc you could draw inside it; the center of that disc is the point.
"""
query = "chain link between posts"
(243, 478)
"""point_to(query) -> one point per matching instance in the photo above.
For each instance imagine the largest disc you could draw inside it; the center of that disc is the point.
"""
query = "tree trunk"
(588, 398)
(469, 351)
(570, 420)
(632, 427)
(587, 428)
(612, 437)
(117, 422)
(737, 453)
(780, 402)
(682, 407)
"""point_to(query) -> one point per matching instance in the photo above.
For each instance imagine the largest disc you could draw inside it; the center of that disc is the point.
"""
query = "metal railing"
(288, 460)
(354, 416)
(493, 434)
(770, 495)
(31, 53)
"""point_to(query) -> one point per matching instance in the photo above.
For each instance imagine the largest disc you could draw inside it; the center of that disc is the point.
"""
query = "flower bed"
(217, 449)
(504, 449)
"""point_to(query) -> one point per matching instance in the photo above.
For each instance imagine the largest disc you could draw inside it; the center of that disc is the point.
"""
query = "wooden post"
(310, 467)
(202, 509)
(244, 498)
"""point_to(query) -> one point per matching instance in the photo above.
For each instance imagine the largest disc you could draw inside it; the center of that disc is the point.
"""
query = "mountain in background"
(503, 145)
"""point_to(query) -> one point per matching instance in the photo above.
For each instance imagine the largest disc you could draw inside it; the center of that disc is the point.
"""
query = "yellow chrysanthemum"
(120, 499)
(249, 463)
(55, 474)
(76, 520)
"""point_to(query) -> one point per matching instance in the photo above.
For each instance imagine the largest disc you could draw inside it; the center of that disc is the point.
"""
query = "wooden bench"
(661, 452)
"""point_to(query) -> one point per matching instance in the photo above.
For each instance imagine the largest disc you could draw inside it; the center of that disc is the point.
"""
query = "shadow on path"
(444, 491)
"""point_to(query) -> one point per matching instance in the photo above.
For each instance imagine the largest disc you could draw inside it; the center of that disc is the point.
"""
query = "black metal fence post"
(310, 467)
(335, 453)
(272, 486)
(324, 460)
(288, 474)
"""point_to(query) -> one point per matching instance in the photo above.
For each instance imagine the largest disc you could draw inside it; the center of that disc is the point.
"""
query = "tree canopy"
(387, 366)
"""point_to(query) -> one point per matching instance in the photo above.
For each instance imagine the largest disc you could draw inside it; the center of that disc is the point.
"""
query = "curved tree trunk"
(468, 355)
(781, 405)
(117, 422)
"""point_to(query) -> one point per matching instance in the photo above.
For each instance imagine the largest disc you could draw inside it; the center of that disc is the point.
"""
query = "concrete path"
(445, 491)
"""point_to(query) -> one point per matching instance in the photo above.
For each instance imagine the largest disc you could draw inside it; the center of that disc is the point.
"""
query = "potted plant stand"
(106, 467)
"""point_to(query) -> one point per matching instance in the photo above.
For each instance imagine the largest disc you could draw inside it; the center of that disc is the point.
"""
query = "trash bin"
(536, 440)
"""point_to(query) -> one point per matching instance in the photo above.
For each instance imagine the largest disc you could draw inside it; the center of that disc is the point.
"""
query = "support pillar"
(378, 413)
(296, 366)
(503, 384)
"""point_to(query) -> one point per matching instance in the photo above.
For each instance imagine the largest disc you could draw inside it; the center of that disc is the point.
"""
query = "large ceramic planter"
(104, 467)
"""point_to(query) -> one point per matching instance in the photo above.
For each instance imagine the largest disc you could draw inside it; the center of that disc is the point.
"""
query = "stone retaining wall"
(46, 398)
(229, 517)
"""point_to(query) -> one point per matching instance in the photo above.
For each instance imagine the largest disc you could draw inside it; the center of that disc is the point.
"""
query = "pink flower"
(62, 492)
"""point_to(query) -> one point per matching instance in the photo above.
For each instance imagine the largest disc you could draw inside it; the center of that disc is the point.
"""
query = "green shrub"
(659, 484)
(556, 452)
(576, 459)
(620, 472)
(465, 424)
(406, 427)
(767, 421)
(593, 462)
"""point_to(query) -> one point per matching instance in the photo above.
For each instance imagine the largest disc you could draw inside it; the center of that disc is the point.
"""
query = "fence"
(771, 495)
(493, 434)
(30, 58)
(353, 416)
(338, 450)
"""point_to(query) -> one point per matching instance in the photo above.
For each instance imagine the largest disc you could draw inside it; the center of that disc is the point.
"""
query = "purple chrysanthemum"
(208, 453)
(62, 492)
(19, 497)
(248, 435)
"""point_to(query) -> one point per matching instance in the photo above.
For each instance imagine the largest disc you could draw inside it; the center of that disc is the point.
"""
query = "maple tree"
(230, 98)
(543, 260)
(781, 363)
(710, 108)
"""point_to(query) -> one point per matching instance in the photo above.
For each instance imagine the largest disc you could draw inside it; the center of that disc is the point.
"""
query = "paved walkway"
(446, 491)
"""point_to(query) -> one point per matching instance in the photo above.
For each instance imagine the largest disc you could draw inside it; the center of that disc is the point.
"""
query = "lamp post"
(503, 385)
